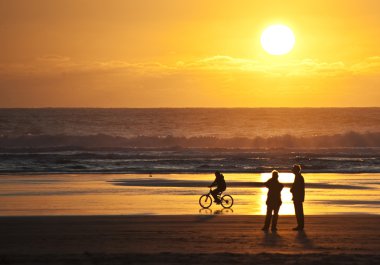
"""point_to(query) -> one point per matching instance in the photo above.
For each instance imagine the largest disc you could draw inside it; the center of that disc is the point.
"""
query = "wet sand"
(178, 194)
(197, 239)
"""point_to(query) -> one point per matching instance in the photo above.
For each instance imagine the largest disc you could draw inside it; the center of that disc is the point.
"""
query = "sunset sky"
(180, 53)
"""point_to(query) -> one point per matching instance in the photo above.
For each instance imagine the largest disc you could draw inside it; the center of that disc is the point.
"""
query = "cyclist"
(220, 186)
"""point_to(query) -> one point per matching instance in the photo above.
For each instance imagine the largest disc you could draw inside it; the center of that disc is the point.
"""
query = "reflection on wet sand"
(220, 211)
(173, 194)
(287, 207)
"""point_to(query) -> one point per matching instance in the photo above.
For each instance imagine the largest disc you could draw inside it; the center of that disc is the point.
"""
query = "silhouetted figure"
(298, 191)
(220, 184)
(273, 201)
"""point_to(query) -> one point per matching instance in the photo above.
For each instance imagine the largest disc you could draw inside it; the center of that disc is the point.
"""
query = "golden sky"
(180, 53)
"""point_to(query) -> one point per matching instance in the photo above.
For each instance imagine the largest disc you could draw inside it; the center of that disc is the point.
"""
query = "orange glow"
(96, 194)
(175, 54)
(287, 207)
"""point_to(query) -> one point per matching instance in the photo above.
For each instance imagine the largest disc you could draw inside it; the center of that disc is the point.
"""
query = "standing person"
(273, 201)
(220, 184)
(298, 191)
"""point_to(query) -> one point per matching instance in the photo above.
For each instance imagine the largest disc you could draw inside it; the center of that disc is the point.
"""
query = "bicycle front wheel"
(227, 201)
(205, 201)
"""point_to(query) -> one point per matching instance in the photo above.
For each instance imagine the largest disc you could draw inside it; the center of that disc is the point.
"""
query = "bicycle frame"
(226, 202)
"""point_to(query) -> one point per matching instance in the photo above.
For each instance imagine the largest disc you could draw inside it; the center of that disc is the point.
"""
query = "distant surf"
(188, 140)
(103, 141)
(185, 160)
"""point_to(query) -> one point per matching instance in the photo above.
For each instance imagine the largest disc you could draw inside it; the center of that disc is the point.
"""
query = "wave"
(103, 141)
(189, 161)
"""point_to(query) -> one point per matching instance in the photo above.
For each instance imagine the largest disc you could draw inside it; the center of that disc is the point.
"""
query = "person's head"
(296, 169)
(217, 173)
(275, 174)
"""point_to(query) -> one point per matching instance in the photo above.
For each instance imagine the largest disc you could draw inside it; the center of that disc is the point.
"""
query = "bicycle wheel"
(205, 201)
(227, 201)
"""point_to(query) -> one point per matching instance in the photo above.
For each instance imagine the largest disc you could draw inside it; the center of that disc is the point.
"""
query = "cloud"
(292, 68)
(369, 65)
(56, 65)
(210, 81)
(53, 58)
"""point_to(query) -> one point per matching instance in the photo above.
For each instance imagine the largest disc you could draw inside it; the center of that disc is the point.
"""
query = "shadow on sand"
(304, 241)
(271, 239)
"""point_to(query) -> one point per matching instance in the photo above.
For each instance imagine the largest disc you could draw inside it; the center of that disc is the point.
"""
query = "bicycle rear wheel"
(205, 201)
(227, 201)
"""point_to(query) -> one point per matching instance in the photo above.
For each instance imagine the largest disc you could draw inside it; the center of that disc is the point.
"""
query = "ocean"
(159, 161)
(50, 140)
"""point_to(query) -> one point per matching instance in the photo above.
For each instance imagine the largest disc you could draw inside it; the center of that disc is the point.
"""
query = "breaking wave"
(103, 141)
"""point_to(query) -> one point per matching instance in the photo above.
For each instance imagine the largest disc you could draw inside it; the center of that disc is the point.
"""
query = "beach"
(142, 219)
(121, 186)
(189, 132)
(197, 239)
(178, 194)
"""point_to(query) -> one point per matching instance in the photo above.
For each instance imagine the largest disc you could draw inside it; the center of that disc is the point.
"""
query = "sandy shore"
(200, 239)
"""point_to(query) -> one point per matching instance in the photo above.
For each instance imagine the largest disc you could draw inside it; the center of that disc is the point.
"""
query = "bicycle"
(205, 201)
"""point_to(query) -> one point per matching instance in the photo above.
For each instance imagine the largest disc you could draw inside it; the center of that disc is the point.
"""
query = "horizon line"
(327, 107)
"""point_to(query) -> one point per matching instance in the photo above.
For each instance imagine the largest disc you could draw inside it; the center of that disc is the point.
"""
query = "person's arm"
(214, 183)
(303, 189)
(266, 184)
(297, 186)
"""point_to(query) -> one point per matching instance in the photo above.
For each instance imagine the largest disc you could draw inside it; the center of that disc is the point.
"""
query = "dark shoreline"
(188, 239)
(333, 234)
(193, 258)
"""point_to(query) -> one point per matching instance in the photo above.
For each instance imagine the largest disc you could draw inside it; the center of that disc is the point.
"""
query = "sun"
(277, 40)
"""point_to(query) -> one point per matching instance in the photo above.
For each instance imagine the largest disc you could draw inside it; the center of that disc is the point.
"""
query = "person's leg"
(268, 218)
(215, 194)
(275, 217)
(301, 221)
(296, 211)
(298, 207)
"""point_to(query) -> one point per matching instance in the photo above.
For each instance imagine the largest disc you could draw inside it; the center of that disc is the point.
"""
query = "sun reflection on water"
(287, 207)
(101, 195)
